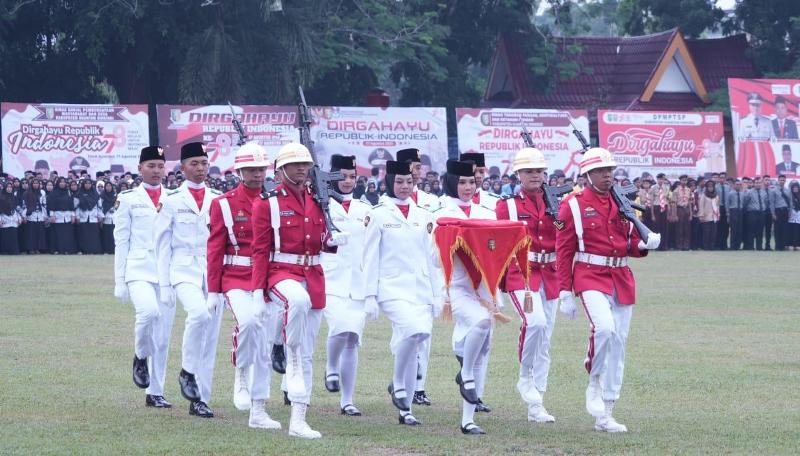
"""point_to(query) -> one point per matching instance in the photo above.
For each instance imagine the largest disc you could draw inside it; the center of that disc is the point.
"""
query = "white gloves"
(567, 306)
(121, 292)
(653, 241)
(167, 296)
(212, 301)
(337, 239)
(371, 307)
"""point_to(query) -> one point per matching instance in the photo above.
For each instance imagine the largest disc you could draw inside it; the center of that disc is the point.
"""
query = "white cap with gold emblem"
(529, 158)
(293, 153)
(251, 155)
(597, 157)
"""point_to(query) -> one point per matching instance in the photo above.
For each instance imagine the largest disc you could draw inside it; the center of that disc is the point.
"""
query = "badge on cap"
(160, 151)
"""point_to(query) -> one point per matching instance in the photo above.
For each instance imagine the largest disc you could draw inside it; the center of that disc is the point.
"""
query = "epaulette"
(377, 205)
(269, 194)
(487, 208)
(126, 191)
(491, 195)
(436, 210)
(362, 202)
(215, 191)
(506, 197)
(173, 192)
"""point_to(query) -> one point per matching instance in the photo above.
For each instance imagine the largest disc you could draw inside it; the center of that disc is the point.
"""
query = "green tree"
(774, 28)
(639, 17)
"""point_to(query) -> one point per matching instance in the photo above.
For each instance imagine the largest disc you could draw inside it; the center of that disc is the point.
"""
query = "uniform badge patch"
(589, 212)
(158, 208)
(366, 221)
(492, 244)
(430, 227)
(116, 204)
(287, 213)
(559, 224)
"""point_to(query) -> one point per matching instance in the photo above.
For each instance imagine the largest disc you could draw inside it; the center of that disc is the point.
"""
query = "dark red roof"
(620, 69)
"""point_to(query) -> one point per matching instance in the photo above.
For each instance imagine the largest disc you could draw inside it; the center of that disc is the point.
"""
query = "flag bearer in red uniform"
(289, 234)
(538, 311)
(229, 282)
(600, 241)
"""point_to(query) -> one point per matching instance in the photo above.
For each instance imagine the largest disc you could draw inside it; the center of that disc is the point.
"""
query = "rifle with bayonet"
(626, 206)
(321, 181)
(238, 127)
(552, 195)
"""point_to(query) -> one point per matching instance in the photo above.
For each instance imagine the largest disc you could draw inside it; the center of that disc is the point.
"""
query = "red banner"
(270, 126)
(673, 143)
(764, 113)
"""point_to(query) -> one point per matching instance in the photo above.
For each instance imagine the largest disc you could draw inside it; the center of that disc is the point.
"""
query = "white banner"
(496, 133)
(59, 137)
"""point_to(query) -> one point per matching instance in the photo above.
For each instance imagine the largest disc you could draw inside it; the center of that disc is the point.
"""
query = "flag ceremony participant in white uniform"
(400, 276)
(472, 334)
(482, 197)
(229, 281)
(344, 289)
(181, 235)
(136, 278)
(429, 202)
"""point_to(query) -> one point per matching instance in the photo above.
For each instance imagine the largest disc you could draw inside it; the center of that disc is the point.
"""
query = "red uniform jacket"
(222, 278)
(302, 230)
(606, 233)
(530, 209)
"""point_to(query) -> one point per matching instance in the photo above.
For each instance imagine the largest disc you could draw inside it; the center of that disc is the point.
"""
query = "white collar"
(191, 184)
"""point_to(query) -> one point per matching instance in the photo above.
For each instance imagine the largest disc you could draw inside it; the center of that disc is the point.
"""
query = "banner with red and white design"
(652, 142)
(496, 134)
(374, 135)
(764, 114)
(270, 126)
(46, 137)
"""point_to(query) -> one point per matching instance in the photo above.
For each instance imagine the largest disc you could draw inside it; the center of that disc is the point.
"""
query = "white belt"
(535, 257)
(236, 260)
(182, 251)
(600, 260)
(290, 258)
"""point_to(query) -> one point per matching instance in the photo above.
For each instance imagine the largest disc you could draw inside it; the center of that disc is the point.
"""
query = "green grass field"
(713, 367)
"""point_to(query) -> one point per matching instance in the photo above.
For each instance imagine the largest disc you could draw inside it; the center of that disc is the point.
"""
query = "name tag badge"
(287, 213)
(589, 212)
(524, 216)
(391, 225)
(185, 211)
(240, 219)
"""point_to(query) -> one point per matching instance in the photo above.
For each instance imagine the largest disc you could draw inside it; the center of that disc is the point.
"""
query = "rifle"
(551, 194)
(320, 180)
(238, 126)
(620, 194)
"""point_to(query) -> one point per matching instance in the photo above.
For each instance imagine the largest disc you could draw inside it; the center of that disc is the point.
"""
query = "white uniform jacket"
(181, 236)
(399, 260)
(427, 201)
(343, 274)
(134, 251)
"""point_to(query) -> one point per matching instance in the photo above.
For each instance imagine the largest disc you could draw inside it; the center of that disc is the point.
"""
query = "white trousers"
(535, 334)
(152, 331)
(200, 336)
(609, 323)
(301, 326)
(252, 340)
(423, 357)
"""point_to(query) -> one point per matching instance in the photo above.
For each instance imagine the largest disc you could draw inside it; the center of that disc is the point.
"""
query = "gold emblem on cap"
(160, 151)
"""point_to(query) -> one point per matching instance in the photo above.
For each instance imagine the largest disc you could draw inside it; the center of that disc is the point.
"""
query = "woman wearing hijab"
(794, 215)
(88, 213)
(708, 214)
(107, 199)
(9, 221)
(49, 185)
(472, 334)
(371, 196)
(34, 209)
(61, 209)
(401, 276)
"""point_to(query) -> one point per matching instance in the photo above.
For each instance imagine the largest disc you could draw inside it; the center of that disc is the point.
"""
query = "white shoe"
(295, 381)
(594, 398)
(241, 395)
(528, 391)
(607, 423)
(297, 423)
(259, 418)
(538, 414)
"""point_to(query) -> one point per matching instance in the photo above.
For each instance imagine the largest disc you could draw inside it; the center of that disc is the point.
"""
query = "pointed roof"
(655, 72)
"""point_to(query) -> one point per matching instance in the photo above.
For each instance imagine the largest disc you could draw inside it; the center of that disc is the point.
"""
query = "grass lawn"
(713, 367)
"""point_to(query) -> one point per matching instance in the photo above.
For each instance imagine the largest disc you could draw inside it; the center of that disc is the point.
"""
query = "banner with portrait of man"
(764, 114)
